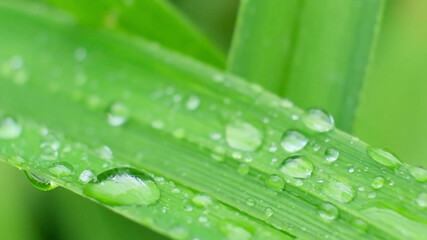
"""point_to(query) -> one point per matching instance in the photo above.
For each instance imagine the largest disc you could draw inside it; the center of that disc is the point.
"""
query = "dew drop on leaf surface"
(40, 182)
(293, 141)
(331, 154)
(123, 186)
(339, 191)
(297, 166)
(419, 173)
(275, 183)
(328, 211)
(243, 136)
(383, 157)
(201, 200)
(377, 183)
(9, 128)
(318, 120)
(118, 114)
(61, 169)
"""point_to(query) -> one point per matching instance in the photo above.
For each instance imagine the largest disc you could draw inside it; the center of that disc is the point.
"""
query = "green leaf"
(317, 53)
(156, 20)
(126, 103)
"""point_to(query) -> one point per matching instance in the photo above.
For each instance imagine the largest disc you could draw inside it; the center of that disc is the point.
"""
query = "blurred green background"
(392, 113)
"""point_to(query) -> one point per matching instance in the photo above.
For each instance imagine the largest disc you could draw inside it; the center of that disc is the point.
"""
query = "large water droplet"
(328, 211)
(297, 166)
(123, 186)
(384, 157)
(275, 182)
(377, 183)
(293, 141)
(339, 191)
(233, 230)
(9, 129)
(419, 173)
(86, 176)
(318, 120)
(331, 154)
(118, 114)
(421, 200)
(201, 200)
(61, 169)
(193, 102)
(40, 182)
(243, 136)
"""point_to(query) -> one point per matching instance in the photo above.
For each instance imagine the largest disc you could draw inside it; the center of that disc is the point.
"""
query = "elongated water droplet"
(318, 120)
(383, 157)
(118, 114)
(193, 102)
(123, 186)
(86, 176)
(40, 182)
(201, 200)
(339, 191)
(419, 173)
(275, 183)
(377, 183)
(328, 211)
(243, 136)
(234, 230)
(9, 129)
(61, 169)
(243, 169)
(297, 166)
(293, 141)
(331, 154)
(422, 200)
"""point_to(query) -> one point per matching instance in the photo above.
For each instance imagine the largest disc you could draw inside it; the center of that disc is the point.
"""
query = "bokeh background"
(392, 114)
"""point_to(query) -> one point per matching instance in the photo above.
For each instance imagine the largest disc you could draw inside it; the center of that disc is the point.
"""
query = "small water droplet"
(203, 219)
(243, 169)
(193, 102)
(339, 191)
(328, 211)
(377, 183)
(80, 54)
(118, 114)
(293, 141)
(201, 200)
(61, 169)
(40, 182)
(372, 195)
(218, 153)
(421, 200)
(275, 183)
(359, 223)
(178, 133)
(331, 154)
(105, 153)
(86, 176)
(297, 166)
(318, 120)
(157, 124)
(234, 230)
(419, 173)
(243, 136)
(10, 129)
(250, 202)
(268, 212)
(383, 157)
(123, 186)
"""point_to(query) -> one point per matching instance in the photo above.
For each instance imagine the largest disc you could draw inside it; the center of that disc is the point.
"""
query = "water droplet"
(17, 62)
(234, 230)
(275, 183)
(421, 200)
(218, 153)
(377, 183)
(40, 182)
(297, 166)
(203, 219)
(318, 120)
(49, 150)
(243, 169)
(419, 173)
(328, 212)
(86, 176)
(118, 114)
(10, 129)
(201, 200)
(268, 212)
(250, 202)
(123, 186)
(293, 141)
(359, 223)
(61, 169)
(383, 157)
(157, 124)
(339, 191)
(178, 133)
(331, 154)
(193, 102)
(105, 153)
(243, 136)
